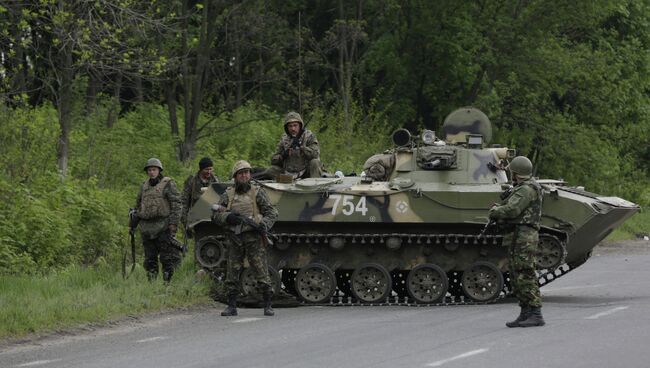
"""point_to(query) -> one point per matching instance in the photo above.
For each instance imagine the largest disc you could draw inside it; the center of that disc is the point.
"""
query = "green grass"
(77, 295)
(637, 224)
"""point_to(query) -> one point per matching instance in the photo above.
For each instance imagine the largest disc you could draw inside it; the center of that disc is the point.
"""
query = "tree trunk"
(139, 93)
(93, 88)
(193, 86)
(170, 96)
(65, 108)
(114, 110)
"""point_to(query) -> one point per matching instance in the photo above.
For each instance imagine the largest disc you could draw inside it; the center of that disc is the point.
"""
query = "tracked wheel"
(371, 283)
(315, 283)
(551, 252)
(427, 283)
(482, 281)
(249, 284)
(210, 252)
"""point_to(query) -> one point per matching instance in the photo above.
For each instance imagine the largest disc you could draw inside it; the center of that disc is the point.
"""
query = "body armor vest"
(244, 204)
(154, 204)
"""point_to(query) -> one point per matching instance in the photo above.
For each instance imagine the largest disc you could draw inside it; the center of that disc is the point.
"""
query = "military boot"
(231, 309)
(534, 318)
(268, 311)
(522, 316)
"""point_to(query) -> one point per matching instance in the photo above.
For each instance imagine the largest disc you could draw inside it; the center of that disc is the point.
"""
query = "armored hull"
(419, 235)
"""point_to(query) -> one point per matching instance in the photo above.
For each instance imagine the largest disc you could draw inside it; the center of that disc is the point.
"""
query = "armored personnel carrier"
(413, 228)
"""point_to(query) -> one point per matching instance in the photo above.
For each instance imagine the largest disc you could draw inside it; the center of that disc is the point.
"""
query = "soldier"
(158, 210)
(249, 201)
(193, 185)
(297, 153)
(521, 213)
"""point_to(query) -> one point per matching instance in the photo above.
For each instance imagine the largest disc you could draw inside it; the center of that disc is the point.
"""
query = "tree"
(57, 41)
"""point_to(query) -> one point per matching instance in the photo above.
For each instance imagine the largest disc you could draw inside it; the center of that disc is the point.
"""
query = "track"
(319, 285)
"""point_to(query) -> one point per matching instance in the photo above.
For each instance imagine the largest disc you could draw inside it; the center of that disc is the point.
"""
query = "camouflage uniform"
(158, 207)
(301, 163)
(244, 241)
(192, 192)
(521, 213)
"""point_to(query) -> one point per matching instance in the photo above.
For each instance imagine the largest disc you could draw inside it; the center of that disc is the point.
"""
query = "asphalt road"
(597, 316)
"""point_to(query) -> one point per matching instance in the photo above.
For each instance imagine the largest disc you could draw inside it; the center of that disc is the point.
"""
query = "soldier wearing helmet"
(158, 210)
(251, 202)
(297, 153)
(520, 214)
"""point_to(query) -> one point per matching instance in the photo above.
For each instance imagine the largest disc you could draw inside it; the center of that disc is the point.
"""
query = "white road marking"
(37, 362)
(245, 320)
(461, 356)
(155, 338)
(608, 312)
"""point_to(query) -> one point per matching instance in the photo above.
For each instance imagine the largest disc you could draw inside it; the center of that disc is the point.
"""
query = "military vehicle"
(413, 228)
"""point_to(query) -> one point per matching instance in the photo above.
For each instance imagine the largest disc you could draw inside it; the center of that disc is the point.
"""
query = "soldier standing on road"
(297, 153)
(251, 202)
(158, 211)
(521, 213)
(192, 189)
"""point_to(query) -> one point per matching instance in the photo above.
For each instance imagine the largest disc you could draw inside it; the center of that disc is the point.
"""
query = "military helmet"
(521, 166)
(292, 117)
(240, 165)
(153, 162)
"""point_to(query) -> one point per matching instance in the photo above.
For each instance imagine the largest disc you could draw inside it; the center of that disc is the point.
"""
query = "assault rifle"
(133, 223)
(267, 236)
(506, 193)
(489, 224)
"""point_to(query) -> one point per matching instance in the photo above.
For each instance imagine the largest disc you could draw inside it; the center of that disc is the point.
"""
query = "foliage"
(76, 295)
(88, 92)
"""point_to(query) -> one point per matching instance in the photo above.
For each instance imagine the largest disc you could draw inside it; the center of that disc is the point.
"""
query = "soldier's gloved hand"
(262, 226)
(173, 228)
(233, 219)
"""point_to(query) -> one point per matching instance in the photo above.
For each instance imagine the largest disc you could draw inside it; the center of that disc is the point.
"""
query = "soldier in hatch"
(520, 213)
(249, 201)
(297, 153)
(158, 211)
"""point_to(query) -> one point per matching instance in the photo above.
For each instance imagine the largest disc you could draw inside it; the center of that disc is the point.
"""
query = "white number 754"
(348, 204)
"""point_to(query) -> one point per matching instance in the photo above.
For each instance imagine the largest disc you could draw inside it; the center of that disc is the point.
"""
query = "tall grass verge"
(76, 295)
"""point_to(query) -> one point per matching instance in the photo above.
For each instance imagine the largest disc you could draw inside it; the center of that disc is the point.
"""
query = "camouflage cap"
(521, 166)
(240, 165)
(153, 162)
